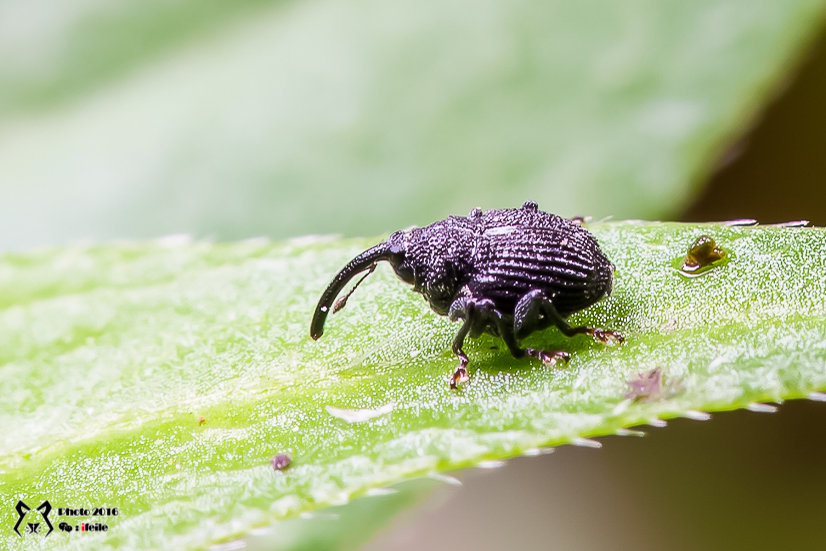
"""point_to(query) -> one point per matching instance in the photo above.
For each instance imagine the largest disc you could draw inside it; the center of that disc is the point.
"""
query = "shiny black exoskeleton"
(506, 272)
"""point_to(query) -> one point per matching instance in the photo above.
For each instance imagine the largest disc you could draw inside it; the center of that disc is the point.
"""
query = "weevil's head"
(392, 251)
(397, 246)
(435, 259)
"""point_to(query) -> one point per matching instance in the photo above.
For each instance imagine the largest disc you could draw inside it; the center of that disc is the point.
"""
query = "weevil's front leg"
(476, 315)
(535, 310)
(460, 376)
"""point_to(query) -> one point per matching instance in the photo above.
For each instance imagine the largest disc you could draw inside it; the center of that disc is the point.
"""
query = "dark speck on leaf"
(281, 461)
(648, 386)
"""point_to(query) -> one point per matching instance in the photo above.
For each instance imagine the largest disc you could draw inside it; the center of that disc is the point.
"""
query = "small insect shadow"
(492, 357)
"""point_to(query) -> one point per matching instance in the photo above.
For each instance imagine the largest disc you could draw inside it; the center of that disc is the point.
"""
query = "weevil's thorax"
(436, 259)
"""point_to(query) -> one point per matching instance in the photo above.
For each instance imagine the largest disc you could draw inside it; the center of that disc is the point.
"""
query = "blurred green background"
(235, 119)
(229, 120)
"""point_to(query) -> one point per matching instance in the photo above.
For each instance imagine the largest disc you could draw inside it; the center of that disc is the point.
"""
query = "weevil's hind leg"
(605, 336)
(535, 307)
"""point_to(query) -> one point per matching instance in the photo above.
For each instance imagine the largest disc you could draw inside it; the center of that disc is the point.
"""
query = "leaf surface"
(161, 377)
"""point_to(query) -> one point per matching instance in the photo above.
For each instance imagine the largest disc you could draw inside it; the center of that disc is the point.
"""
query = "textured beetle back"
(519, 250)
(501, 255)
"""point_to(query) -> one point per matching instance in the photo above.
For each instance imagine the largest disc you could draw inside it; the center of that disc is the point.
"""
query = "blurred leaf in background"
(228, 120)
(232, 119)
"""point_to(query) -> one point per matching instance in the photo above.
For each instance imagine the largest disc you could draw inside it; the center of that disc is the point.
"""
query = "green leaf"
(110, 355)
(232, 119)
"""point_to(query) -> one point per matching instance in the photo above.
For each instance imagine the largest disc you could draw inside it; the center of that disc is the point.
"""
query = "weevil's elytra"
(506, 272)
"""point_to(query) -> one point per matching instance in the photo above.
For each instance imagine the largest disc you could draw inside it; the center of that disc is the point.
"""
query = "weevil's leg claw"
(549, 358)
(607, 336)
(460, 376)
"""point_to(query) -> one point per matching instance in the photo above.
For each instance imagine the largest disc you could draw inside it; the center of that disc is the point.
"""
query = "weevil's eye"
(404, 271)
(397, 257)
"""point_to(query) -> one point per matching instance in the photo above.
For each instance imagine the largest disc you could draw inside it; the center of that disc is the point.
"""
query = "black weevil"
(506, 272)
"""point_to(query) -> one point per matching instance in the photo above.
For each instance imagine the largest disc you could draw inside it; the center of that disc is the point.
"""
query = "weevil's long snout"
(364, 261)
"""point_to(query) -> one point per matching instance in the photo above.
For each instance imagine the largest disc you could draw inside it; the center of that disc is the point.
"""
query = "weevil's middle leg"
(549, 357)
(487, 315)
(535, 308)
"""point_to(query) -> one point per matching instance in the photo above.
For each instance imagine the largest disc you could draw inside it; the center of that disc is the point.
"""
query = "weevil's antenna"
(365, 261)
(341, 302)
